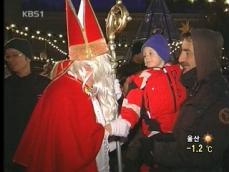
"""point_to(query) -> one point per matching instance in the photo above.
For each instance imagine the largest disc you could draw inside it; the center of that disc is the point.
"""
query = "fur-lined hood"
(208, 46)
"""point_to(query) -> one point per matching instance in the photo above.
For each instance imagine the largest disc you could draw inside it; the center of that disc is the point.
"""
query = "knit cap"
(160, 45)
(21, 45)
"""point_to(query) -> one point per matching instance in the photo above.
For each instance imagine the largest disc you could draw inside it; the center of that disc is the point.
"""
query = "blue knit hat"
(160, 45)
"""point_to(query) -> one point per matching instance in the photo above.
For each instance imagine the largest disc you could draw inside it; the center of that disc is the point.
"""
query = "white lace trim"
(102, 158)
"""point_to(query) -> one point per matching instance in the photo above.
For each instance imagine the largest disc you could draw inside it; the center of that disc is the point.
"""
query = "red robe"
(60, 67)
(62, 134)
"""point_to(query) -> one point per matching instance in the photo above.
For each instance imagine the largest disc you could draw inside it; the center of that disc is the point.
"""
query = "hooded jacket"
(204, 115)
(207, 46)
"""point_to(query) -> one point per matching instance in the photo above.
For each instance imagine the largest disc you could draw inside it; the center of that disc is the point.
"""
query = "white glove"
(117, 88)
(120, 127)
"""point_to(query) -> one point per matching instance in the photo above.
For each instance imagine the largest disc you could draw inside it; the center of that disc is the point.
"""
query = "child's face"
(151, 58)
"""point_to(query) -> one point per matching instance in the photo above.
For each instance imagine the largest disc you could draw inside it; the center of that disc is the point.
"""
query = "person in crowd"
(47, 68)
(136, 63)
(65, 132)
(21, 91)
(156, 90)
(199, 141)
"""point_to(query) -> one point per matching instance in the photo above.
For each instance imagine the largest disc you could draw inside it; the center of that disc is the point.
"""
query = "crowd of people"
(179, 112)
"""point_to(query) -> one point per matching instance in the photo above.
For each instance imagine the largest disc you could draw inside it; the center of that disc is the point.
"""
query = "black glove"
(145, 154)
(147, 146)
(153, 125)
(163, 137)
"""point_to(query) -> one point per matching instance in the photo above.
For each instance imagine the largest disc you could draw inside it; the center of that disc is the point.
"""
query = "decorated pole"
(116, 21)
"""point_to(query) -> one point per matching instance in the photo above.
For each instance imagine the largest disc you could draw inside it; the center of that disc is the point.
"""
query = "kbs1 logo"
(33, 14)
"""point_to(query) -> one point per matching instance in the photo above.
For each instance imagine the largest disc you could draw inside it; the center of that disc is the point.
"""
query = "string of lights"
(49, 38)
(175, 47)
(210, 1)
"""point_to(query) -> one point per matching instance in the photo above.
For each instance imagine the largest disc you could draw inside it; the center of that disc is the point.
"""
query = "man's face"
(187, 58)
(16, 60)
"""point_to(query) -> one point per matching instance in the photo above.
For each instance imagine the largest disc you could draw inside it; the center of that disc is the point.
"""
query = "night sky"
(98, 5)
(217, 18)
(215, 11)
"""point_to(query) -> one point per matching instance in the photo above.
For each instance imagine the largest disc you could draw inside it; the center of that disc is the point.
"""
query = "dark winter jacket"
(205, 114)
(20, 96)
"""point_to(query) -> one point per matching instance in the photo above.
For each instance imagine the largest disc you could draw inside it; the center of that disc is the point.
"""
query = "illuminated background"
(213, 14)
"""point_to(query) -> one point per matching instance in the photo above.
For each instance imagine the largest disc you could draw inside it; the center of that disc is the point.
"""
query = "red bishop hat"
(85, 37)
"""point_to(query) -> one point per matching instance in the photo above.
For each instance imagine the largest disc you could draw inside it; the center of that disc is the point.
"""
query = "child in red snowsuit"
(158, 89)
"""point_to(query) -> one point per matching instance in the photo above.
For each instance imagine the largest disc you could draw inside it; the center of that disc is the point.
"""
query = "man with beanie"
(157, 90)
(199, 141)
(21, 91)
